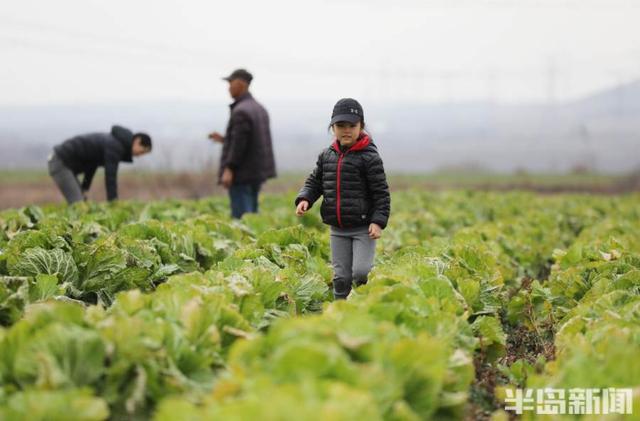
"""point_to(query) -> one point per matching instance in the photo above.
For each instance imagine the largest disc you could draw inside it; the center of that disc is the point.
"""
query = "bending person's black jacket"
(83, 154)
(353, 185)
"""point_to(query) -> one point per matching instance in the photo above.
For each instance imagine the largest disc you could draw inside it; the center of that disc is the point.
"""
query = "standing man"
(247, 155)
(83, 154)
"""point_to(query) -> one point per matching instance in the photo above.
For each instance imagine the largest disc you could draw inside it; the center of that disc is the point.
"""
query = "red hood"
(363, 142)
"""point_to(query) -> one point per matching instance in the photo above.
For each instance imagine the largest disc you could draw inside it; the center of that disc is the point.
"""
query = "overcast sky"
(91, 51)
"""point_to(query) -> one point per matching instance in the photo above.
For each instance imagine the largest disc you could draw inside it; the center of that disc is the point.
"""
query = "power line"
(114, 38)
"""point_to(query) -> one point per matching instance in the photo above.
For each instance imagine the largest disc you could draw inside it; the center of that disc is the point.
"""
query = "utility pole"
(552, 75)
(492, 86)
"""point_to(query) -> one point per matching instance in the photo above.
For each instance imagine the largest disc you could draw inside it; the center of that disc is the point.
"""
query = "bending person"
(83, 154)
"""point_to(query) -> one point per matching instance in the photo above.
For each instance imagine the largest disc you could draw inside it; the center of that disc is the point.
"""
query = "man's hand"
(216, 137)
(303, 206)
(227, 178)
(375, 231)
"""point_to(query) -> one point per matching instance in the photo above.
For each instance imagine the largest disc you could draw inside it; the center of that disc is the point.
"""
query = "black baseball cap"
(241, 74)
(347, 109)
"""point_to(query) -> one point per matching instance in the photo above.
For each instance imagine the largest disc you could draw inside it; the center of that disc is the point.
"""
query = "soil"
(157, 186)
(522, 343)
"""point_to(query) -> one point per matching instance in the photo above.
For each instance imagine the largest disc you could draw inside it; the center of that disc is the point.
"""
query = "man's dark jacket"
(83, 154)
(247, 146)
(353, 185)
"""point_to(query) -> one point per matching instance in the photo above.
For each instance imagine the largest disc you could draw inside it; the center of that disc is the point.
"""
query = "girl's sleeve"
(312, 189)
(379, 189)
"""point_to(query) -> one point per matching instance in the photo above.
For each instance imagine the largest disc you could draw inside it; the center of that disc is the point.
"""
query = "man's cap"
(347, 109)
(241, 74)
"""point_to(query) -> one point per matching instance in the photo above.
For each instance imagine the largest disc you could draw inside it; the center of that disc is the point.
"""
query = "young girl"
(356, 204)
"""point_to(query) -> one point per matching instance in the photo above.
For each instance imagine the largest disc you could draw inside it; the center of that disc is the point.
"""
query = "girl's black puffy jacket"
(353, 184)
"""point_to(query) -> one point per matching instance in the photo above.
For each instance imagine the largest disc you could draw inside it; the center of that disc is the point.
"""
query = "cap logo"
(354, 111)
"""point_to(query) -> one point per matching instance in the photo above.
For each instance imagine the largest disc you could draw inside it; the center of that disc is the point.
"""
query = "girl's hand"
(303, 206)
(375, 231)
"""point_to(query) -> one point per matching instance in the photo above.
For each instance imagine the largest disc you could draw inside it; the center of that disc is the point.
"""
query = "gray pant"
(65, 179)
(352, 254)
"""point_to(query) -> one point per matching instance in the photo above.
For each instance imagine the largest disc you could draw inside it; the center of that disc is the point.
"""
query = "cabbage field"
(170, 310)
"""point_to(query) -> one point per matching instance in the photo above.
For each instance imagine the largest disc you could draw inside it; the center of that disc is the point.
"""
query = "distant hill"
(600, 132)
(620, 102)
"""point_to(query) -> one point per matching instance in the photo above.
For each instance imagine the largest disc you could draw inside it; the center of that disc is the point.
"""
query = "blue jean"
(244, 199)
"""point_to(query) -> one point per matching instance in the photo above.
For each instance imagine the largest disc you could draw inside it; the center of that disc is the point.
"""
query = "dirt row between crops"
(522, 343)
(201, 185)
